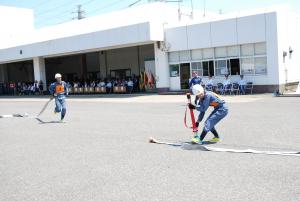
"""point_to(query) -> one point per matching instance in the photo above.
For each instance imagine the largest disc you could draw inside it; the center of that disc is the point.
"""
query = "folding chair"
(209, 87)
(86, 90)
(235, 89)
(249, 87)
(71, 90)
(227, 89)
(91, 90)
(220, 88)
(76, 90)
(103, 90)
(80, 90)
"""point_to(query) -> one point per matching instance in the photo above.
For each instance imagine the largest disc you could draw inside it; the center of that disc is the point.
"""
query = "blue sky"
(49, 12)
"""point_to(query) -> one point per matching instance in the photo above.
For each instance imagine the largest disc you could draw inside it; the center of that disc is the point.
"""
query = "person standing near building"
(195, 79)
(242, 85)
(59, 91)
(203, 101)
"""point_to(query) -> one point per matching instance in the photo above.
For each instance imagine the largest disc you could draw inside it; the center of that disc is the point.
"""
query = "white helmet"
(57, 75)
(197, 89)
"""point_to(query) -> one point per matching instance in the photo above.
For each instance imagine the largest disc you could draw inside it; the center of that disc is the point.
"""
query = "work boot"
(196, 139)
(215, 140)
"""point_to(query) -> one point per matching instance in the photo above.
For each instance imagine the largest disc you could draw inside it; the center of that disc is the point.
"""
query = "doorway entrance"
(184, 75)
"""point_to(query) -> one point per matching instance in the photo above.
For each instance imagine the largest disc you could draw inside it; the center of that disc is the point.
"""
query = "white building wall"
(161, 69)
(251, 28)
(108, 39)
(198, 36)
(288, 35)
(230, 32)
(272, 77)
(224, 33)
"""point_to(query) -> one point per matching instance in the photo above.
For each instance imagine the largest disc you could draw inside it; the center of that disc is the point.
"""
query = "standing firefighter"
(59, 91)
(203, 101)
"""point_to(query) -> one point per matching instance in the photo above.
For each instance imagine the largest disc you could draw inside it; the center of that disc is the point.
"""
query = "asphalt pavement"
(102, 151)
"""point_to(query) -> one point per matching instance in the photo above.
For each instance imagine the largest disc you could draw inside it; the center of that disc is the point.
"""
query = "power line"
(106, 6)
(80, 15)
(41, 13)
(40, 4)
(134, 3)
(56, 18)
(70, 12)
(56, 23)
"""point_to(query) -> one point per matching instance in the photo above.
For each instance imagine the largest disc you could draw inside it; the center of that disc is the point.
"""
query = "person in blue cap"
(195, 80)
(203, 101)
(59, 91)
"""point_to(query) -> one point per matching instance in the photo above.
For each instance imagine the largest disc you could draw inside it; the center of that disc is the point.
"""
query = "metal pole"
(204, 7)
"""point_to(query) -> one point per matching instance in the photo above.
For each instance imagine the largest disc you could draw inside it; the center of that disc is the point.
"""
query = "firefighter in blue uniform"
(59, 91)
(202, 102)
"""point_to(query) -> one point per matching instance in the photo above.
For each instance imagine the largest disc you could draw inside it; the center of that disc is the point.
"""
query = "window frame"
(178, 71)
(215, 60)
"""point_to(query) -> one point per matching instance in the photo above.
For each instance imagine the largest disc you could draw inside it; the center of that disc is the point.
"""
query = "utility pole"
(204, 8)
(80, 13)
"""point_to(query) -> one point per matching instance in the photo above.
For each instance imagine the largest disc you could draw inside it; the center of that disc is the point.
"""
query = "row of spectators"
(22, 88)
(36, 88)
(222, 87)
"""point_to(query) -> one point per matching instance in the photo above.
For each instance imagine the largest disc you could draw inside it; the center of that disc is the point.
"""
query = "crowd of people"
(222, 87)
(22, 88)
(131, 85)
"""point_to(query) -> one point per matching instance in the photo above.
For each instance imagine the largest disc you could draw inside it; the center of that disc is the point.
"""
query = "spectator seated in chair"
(109, 86)
(226, 84)
(101, 83)
(209, 84)
(129, 85)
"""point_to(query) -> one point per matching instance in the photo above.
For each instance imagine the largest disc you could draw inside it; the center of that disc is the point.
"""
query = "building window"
(208, 53)
(205, 65)
(197, 66)
(174, 70)
(260, 64)
(221, 67)
(247, 50)
(208, 68)
(248, 59)
(247, 66)
(260, 48)
(234, 66)
(220, 52)
(184, 55)
(196, 54)
(211, 68)
(173, 56)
